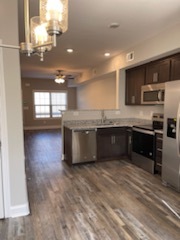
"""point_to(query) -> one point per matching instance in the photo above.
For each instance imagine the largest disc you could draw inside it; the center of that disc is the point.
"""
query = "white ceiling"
(90, 36)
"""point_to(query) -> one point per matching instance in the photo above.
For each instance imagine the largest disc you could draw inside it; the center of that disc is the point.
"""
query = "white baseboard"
(42, 127)
(20, 210)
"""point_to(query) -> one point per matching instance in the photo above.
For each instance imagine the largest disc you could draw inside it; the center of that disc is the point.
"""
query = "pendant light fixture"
(59, 77)
(41, 31)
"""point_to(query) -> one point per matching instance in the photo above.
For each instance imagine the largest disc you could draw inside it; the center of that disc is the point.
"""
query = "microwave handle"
(159, 95)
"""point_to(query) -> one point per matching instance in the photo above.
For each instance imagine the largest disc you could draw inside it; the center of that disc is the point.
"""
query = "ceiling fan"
(60, 78)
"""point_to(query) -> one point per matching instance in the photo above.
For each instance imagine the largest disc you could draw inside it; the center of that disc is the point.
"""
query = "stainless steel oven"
(143, 147)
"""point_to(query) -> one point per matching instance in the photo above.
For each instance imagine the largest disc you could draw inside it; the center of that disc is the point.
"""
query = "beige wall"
(28, 86)
(102, 94)
(97, 94)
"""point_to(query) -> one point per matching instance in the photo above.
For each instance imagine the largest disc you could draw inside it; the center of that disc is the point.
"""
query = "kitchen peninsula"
(99, 139)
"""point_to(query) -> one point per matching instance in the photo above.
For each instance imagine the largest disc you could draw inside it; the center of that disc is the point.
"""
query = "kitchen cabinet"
(111, 143)
(134, 80)
(158, 153)
(68, 145)
(175, 68)
(158, 71)
(129, 142)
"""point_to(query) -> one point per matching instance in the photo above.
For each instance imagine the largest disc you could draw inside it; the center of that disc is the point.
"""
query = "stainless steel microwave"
(153, 93)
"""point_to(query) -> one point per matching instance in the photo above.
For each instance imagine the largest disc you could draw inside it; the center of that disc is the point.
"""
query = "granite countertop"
(94, 124)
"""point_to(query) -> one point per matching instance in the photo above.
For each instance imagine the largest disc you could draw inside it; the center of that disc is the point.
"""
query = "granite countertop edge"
(85, 125)
(158, 131)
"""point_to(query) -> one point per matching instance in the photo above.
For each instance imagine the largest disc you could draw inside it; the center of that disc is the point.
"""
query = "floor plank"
(109, 200)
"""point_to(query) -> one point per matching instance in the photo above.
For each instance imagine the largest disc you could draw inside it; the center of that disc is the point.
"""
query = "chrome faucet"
(103, 116)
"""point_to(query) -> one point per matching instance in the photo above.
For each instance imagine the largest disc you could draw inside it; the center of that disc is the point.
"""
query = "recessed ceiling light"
(114, 25)
(70, 50)
(107, 54)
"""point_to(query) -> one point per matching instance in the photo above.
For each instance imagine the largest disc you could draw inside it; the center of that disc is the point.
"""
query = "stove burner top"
(157, 123)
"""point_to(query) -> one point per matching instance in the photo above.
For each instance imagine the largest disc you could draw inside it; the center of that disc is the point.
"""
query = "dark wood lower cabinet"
(68, 145)
(111, 143)
(129, 142)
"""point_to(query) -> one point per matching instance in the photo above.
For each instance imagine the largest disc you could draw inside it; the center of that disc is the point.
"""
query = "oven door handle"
(143, 131)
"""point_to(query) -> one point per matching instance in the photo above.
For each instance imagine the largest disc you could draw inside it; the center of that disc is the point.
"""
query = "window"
(49, 104)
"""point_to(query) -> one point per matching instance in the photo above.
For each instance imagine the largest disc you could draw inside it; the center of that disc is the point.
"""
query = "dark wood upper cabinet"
(175, 68)
(158, 71)
(134, 80)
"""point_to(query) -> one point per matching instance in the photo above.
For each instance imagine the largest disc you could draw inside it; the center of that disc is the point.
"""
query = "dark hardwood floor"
(109, 200)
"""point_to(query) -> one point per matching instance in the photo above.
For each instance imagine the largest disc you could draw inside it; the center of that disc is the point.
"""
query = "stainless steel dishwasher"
(84, 145)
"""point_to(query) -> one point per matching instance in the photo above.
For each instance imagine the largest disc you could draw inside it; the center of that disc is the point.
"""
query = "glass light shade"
(59, 80)
(39, 36)
(55, 14)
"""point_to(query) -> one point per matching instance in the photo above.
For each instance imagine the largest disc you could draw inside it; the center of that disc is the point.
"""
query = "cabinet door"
(129, 142)
(119, 146)
(175, 68)
(158, 71)
(134, 80)
(68, 145)
(104, 147)
(111, 143)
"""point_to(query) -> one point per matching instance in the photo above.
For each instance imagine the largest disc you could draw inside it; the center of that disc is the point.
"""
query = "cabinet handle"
(113, 140)
(159, 149)
(155, 77)
(133, 99)
(158, 164)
